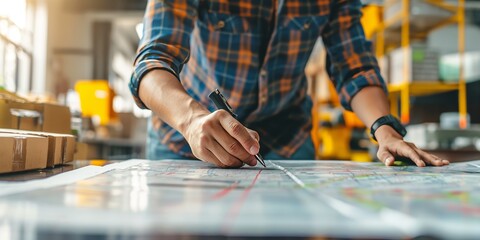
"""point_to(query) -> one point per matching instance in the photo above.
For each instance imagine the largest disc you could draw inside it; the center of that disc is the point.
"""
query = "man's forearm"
(165, 96)
(370, 104)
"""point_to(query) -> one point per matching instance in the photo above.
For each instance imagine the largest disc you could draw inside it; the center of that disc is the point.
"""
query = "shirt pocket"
(299, 34)
(227, 23)
(229, 42)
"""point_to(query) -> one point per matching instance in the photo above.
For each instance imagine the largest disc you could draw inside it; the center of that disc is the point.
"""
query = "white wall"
(40, 47)
(69, 47)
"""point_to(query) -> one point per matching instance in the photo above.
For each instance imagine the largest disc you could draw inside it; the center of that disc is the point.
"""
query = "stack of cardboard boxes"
(19, 113)
(33, 135)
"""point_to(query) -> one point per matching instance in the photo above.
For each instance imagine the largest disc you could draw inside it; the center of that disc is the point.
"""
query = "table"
(290, 199)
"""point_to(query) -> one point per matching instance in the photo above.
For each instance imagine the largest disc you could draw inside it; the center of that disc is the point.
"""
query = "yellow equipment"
(333, 128)
(96, 100)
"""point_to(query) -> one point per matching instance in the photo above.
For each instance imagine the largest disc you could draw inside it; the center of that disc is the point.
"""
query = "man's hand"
(391, 144)
(220, 139)
(216, 137)
(370, 104)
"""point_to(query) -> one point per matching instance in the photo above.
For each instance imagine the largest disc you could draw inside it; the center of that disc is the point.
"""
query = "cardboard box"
(86, 151)
(18, 113)
(6, 118)
(61, 147)
(68, 146)
(22, 152)
(43, 117)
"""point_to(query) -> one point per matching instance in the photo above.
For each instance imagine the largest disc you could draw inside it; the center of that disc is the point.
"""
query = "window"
(16, 32)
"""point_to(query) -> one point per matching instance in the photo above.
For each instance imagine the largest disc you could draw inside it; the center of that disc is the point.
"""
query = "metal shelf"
(423, 88)
(408, 88)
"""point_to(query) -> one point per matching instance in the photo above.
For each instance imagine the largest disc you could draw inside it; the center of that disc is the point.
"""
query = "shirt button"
(306, 25)
(220, 24)
(263, 74)
(263, 98)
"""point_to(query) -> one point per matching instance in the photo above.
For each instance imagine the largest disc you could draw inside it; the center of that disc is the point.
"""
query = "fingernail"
(446, 162)
(254, 150)
(388, 161)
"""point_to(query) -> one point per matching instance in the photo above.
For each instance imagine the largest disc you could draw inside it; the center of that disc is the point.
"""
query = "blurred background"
(80, 53)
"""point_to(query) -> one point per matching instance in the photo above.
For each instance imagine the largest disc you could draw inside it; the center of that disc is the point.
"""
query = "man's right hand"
(220, 139)
(215, 137)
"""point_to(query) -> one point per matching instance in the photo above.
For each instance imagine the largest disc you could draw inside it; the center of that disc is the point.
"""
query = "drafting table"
(295, 199)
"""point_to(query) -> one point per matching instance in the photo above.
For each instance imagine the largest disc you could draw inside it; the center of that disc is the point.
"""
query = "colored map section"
(288, 198)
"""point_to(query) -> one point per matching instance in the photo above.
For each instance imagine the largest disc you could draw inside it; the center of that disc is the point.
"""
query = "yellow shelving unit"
(407, 88)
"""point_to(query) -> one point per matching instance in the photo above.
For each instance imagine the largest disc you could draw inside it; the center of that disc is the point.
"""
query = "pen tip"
(262, 162)
(260, 159)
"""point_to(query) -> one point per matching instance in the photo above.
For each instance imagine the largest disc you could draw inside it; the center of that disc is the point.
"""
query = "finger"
(438, 161)
(254, 134)
(426, 157)
(406, 150)
(207, 156)
(215, 160)
(385, 156)
(429, 159)
(223, 156)
(240, 133)
(444, 161)
(232, 146)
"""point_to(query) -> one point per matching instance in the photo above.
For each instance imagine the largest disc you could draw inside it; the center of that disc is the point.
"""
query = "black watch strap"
(390, 121)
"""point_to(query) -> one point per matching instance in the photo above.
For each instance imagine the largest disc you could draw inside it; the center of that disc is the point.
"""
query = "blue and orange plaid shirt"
(255, 52)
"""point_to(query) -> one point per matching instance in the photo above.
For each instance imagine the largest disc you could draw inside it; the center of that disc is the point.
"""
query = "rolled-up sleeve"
(165, 44)
(351, 63)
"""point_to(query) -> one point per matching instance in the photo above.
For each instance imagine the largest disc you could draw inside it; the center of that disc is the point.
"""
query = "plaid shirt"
(255, 52)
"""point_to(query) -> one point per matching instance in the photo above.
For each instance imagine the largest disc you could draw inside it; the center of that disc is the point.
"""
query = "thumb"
(385, 156)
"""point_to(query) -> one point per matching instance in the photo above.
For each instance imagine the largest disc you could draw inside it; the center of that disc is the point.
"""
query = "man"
(255, 53)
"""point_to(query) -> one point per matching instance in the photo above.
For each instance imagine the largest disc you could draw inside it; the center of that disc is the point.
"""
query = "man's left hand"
(391, 144)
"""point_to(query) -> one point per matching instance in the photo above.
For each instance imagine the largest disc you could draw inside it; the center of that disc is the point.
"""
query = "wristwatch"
(390, 121)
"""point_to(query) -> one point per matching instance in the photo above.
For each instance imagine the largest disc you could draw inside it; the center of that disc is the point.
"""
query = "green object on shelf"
(418, 55)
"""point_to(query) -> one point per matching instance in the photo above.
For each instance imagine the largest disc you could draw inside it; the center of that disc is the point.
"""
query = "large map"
(288, 198)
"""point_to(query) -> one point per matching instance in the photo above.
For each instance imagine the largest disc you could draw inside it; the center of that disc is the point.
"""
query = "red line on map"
(467, 210)
(235, 209)
(224, 192)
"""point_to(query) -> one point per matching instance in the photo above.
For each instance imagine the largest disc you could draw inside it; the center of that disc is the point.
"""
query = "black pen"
(221, 103)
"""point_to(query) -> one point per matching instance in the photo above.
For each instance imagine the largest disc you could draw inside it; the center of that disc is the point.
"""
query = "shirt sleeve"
(351, 63)
(165, 44)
